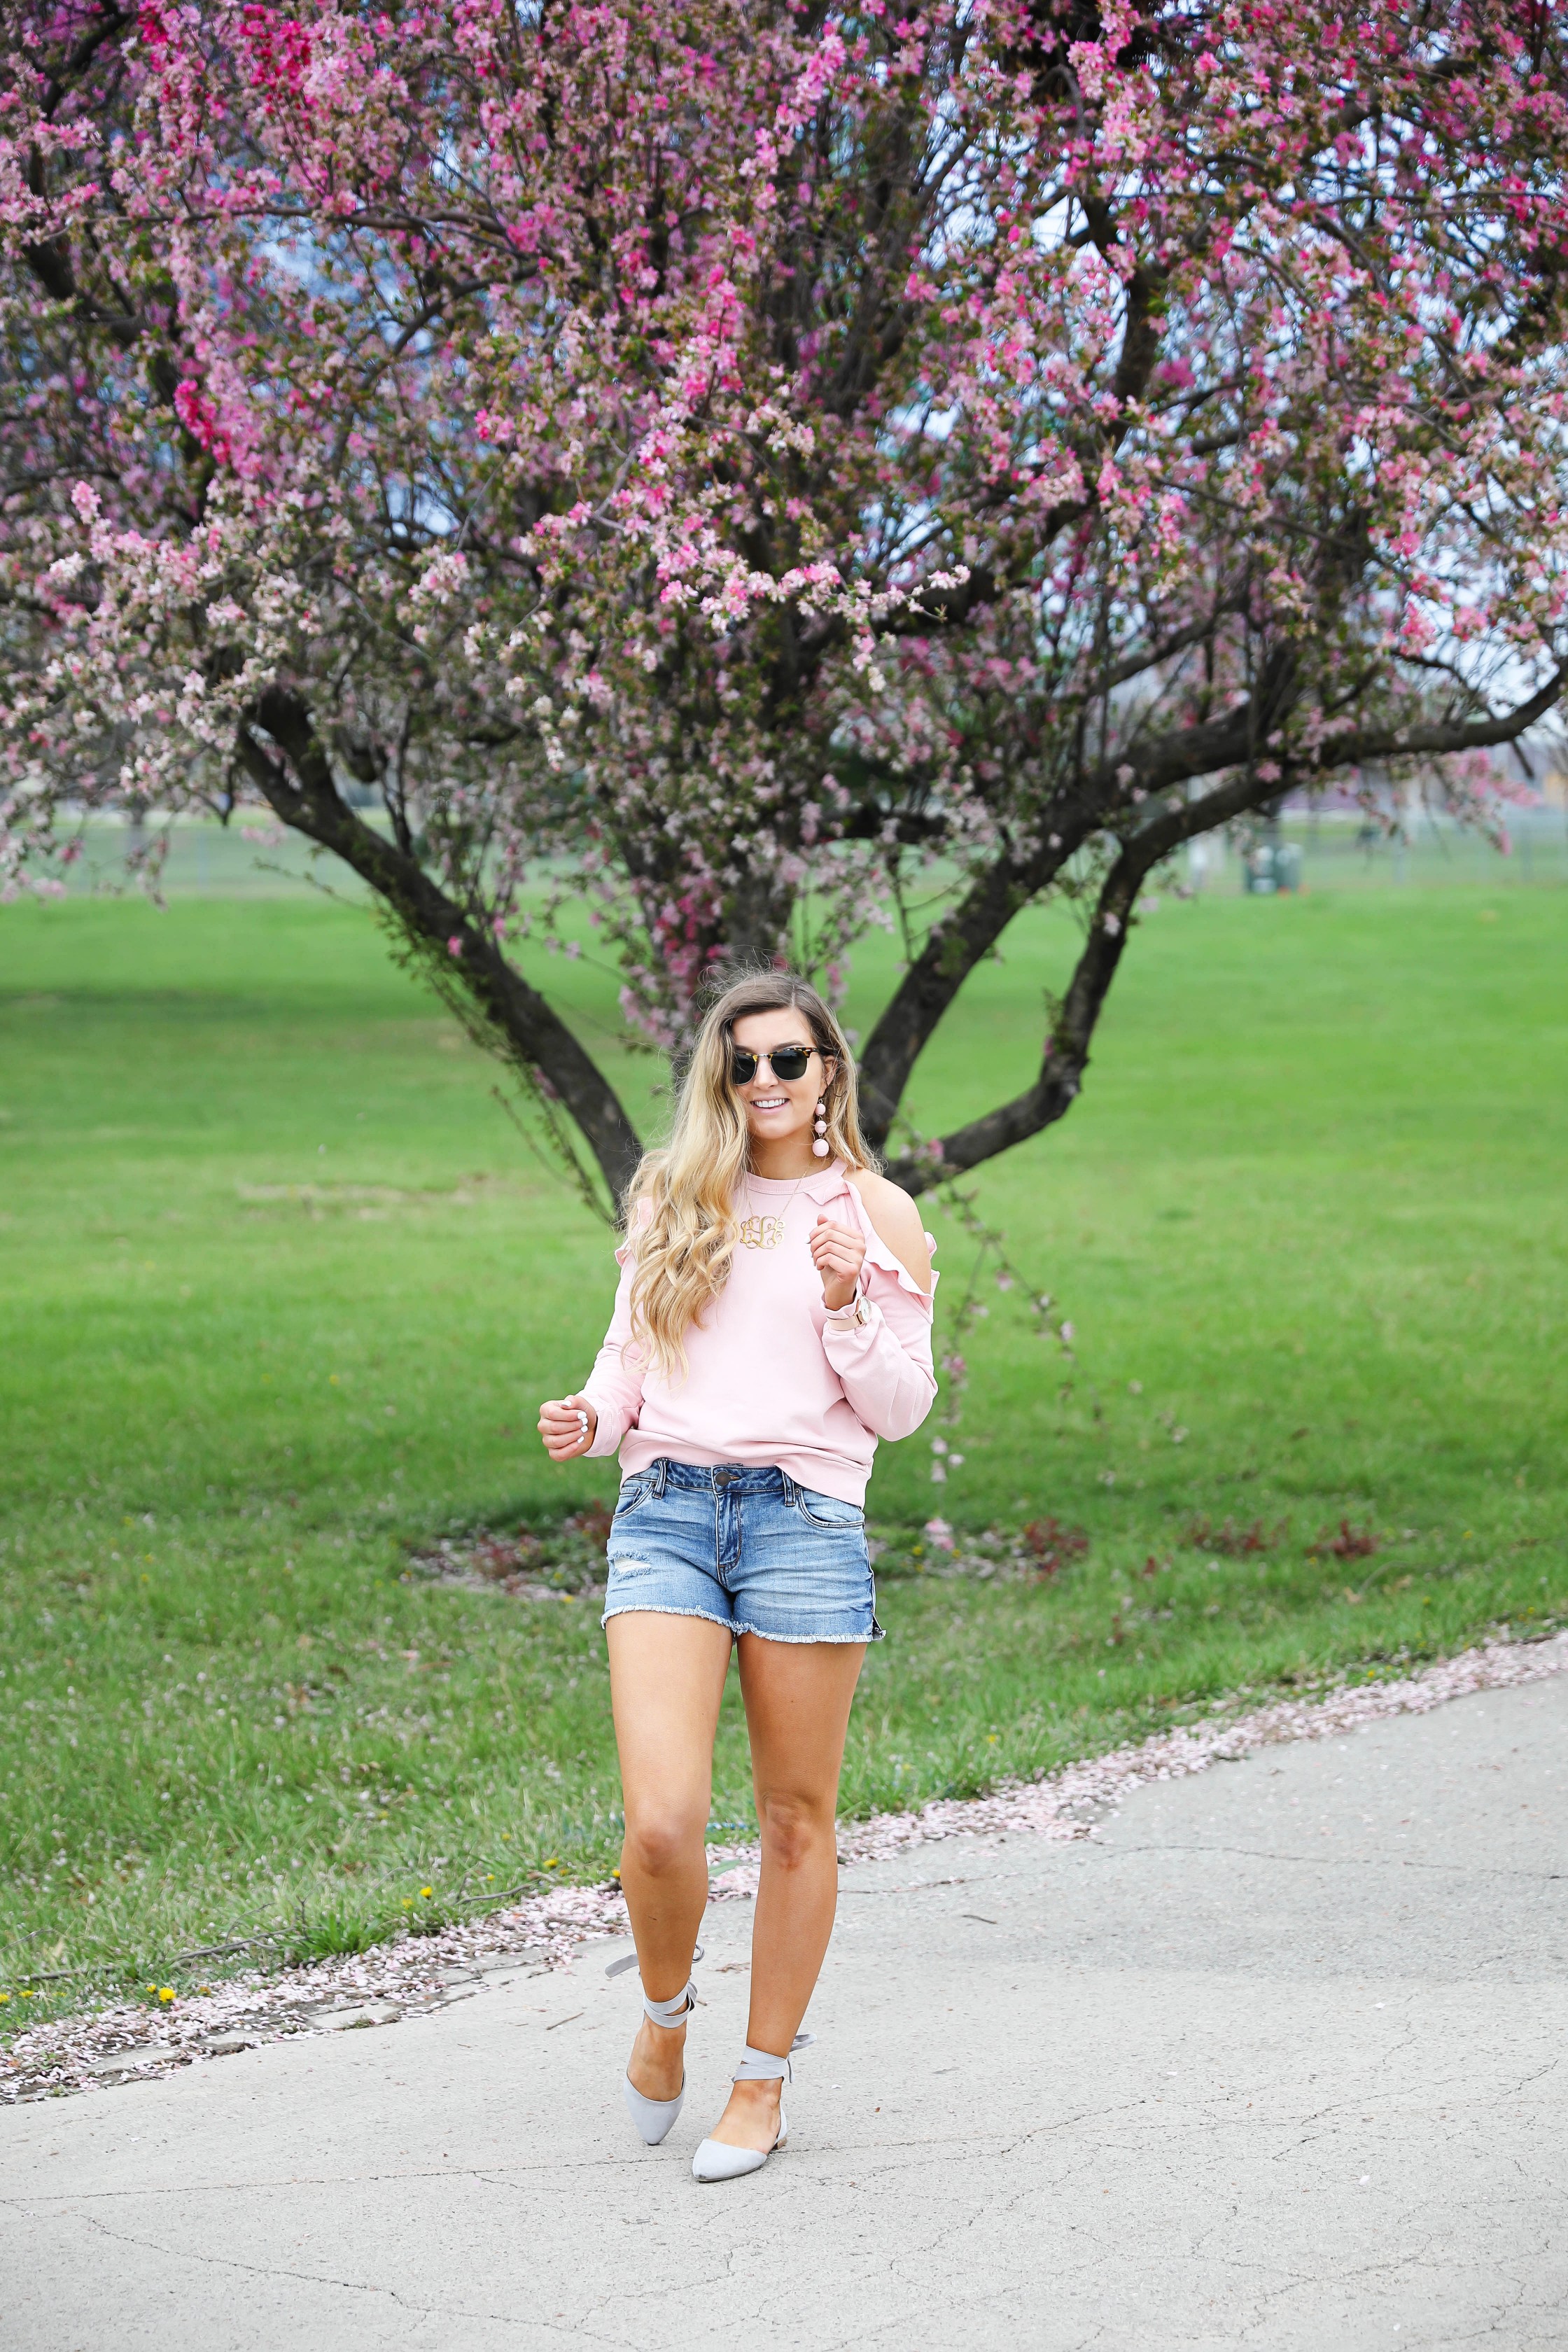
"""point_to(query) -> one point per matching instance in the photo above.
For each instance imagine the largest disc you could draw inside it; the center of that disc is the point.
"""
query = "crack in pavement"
(318, 2278)
(1355, 1861)
(46, 2200)
(688, 2286)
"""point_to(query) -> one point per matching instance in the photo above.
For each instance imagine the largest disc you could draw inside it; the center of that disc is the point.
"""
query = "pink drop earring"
(820, 1147)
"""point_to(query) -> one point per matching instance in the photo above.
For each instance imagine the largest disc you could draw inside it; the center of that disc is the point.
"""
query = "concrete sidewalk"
(1278, 2062)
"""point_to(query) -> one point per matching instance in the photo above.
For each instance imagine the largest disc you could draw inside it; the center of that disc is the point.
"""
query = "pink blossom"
(453, 419)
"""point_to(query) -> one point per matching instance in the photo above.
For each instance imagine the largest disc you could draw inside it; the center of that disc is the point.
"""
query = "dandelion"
(165, 1993)
(553, 1862)
(427, 1892)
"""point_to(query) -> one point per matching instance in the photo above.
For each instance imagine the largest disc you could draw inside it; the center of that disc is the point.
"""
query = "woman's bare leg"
(666, 1679)
(797, 1698)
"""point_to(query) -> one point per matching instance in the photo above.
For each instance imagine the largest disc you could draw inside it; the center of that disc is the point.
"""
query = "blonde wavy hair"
(691, 1186)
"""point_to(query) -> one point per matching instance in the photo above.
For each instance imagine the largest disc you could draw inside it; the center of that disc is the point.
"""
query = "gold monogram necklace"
(766, 1233)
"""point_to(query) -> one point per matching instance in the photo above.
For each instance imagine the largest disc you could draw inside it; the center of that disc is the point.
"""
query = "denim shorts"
(752, 1549)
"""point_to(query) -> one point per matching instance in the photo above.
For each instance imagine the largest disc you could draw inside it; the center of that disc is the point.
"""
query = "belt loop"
(659, 1469)
(788, 1481)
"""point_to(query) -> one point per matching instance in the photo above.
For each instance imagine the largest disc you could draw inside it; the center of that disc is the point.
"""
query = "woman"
(773, 1321)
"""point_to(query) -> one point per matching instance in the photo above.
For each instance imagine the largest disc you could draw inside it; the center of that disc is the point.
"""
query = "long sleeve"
(885, 1365)
(614, 1386)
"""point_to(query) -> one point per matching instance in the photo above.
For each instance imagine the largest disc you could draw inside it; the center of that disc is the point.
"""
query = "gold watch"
(855, 1311)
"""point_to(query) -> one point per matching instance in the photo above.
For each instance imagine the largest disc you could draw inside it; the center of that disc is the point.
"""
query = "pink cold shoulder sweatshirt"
(771, 1379)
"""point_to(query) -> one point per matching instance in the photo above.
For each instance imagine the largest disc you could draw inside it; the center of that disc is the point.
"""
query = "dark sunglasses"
(786, 1062)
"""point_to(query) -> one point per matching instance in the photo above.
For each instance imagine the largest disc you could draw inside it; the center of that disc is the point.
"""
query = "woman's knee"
(794, 1829)
(659, 1841)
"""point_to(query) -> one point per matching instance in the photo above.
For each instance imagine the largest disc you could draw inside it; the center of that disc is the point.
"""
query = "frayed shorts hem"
(735, 1625)
(665, 1609)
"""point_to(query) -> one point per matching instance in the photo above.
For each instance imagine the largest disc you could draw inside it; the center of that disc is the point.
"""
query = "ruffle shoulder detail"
(882, 1258)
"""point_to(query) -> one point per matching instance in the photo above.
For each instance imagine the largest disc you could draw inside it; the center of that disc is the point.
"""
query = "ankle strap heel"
(678, 2008)
(654, 2117)
(717, 2160)
(761, 2066)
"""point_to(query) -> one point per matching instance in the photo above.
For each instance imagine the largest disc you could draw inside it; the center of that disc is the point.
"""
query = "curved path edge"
(129, 2042)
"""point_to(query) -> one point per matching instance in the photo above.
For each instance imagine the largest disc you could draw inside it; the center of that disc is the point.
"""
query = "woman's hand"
(839, 1253)
(567, 1425)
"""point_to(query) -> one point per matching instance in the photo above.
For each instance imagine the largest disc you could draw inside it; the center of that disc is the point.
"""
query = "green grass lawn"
(283, 1288)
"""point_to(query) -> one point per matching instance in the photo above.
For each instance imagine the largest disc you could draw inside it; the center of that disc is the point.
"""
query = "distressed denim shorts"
(751, 1550)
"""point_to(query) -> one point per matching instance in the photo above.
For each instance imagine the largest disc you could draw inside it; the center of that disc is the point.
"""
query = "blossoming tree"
(754, 463)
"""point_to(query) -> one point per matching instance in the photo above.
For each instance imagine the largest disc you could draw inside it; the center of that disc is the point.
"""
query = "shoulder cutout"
(897, 1221)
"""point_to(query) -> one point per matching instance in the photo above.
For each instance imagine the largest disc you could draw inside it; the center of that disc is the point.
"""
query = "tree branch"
(1443, 740)
(1066, 1057)
(1066, 1051)
(954, 946)
(535, 1038)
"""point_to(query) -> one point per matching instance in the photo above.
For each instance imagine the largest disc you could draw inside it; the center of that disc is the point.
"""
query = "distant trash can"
(1269, 867)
